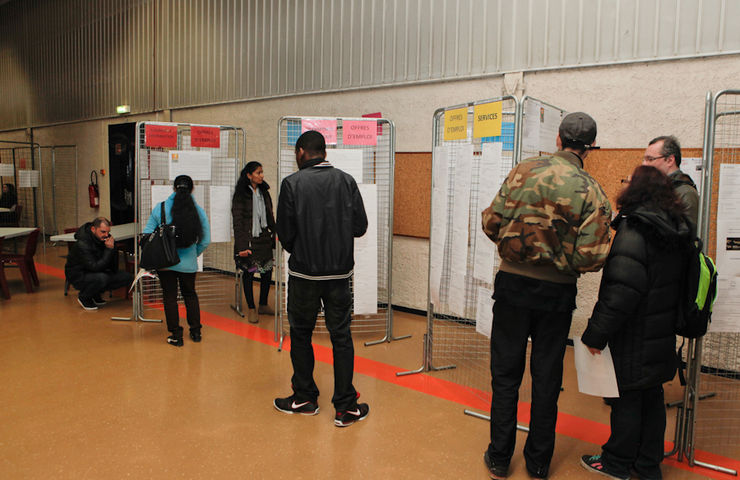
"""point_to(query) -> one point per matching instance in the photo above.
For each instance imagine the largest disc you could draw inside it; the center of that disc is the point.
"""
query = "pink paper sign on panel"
(359, 132)
(328, 128)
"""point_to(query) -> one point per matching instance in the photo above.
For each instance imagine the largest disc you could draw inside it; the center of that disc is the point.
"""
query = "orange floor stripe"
(568, 425)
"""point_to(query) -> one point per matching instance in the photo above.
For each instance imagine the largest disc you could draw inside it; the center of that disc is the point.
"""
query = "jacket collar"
(312, 163)
(571, 157)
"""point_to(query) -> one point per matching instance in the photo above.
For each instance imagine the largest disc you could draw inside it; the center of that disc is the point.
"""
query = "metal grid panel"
(215, 284)
(30, 198)
(717, 420)
(60, 188)
(377, 169)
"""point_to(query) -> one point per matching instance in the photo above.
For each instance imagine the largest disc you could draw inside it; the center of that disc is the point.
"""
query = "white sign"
(726, 312)
(6, 169)
(28, 178)
(197, 165)
(484, 311)
(366, 256)
(347, 160)
(220, 214)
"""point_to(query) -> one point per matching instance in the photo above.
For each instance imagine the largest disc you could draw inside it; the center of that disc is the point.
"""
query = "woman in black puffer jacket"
(636, 314)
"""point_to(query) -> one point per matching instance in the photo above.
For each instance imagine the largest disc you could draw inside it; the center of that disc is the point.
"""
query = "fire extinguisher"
(92, 190)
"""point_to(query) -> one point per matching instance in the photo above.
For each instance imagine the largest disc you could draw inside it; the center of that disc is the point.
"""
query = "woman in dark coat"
(8, 199)
(636, 314)
(254, 235)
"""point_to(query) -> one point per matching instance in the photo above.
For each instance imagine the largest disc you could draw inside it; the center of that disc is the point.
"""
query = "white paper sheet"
(220, 217)
(200, 262)
(549, 123)
(531, 128)
(6, 170)
(484, 312)
(692, 168)
(159, 165)
(726, 313)
(28, 178)
(197, 165)
(489, 178)
(366, 256)
(463, 167)
(347, 160)
(438, 233)
(596, 374)
(160, 193)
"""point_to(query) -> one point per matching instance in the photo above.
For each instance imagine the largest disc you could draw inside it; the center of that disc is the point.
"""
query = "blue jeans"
(304, 301)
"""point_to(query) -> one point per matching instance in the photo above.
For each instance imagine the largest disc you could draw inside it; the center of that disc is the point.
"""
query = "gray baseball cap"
(578, 127)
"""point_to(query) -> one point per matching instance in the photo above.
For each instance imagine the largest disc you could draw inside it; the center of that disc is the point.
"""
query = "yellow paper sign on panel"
(456, 124)
(487, 120)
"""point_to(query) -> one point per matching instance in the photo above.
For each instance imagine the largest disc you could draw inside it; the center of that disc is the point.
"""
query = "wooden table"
(12, 232)
(119, 232)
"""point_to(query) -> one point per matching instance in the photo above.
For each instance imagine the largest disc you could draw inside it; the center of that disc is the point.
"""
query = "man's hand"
(110, 242)
(245, 253)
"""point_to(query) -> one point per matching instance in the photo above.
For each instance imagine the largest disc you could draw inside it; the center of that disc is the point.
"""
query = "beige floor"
(87, 398)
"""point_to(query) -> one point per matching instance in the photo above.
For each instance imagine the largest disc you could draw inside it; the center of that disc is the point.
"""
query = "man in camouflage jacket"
(551, 223)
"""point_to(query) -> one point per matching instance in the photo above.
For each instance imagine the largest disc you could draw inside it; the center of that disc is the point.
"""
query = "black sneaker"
(175, 341)
(348, 417)
(87, 303)
(98, 300)
(291, 405)
(195, 336)
(495, 471)
(592, 463)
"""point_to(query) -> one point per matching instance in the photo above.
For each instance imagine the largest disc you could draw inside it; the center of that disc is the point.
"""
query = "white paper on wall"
(199, 194)
(347, 160)
(159, 165)
(160, 193)
(6, 170)
(438, 232)
(484, 312)
(726, 312)
(197, 165)
(220, 217)
(200, 262)
(366, 256)
(531, 127)
(549, 123)
(28, 178)
(490, 179)
(692, 167)
(463, 169)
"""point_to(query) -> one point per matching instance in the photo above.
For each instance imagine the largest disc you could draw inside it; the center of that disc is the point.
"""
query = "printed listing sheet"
(463, 166)
(484, 312)
(726, 313)
(366, 256)
(197, 165)
(490, 179)
(438, 233)
(347, 160)
(220, 217)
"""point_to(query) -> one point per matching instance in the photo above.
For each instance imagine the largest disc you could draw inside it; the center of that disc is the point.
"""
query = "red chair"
(3, 281)
(25, 261)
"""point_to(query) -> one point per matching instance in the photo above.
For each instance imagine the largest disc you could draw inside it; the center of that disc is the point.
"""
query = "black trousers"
(512, 325)
(169, 280)
(637, 433)
(304, 297)
(265, 279)
(93, 284)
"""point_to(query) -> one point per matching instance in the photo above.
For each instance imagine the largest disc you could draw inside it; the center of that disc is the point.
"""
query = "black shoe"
(539, 473)
(87, 303)
(98, 300)
(195, 336)
(175, 341)
(495, 471)
(348, 417)
(592, 463)
(291, 405)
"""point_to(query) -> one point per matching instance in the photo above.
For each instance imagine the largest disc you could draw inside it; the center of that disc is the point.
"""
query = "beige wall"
(631, 104)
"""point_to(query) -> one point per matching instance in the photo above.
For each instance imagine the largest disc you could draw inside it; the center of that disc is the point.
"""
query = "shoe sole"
(339, 423)
(495, 476)
(89, 309)
(291, 412)
(593, 470)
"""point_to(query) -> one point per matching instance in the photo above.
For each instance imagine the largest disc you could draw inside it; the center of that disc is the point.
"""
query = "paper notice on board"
(463, 169)
(549, 124)
(195, 164)
(484, 312)
(200, 262)
(347, 160)
(365, 277)
(490, 179)
(531, 128)
(595, 373)
(160, 193)
(726, 312)
(438, 232)
(692, 167)
(6, 169)
(28, 178)
(220, 218)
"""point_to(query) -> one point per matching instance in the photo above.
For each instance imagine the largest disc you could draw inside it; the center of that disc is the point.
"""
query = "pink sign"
(328, 128)
(359, 132)
(376, 115)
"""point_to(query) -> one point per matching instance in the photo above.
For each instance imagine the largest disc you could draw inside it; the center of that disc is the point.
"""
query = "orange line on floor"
(568, 425)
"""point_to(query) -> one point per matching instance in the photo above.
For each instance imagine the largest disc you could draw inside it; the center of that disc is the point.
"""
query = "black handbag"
(159, 249)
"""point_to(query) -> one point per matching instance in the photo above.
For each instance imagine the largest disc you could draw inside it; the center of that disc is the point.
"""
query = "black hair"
(11, 198)
(184, 214)
(670, 147)
(242, 185)
(649, 186)
(312, 142)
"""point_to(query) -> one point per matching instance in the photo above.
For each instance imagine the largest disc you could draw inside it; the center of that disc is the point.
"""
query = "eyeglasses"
(649, 159)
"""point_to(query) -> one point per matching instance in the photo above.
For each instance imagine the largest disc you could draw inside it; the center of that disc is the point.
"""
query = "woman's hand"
(245, 253)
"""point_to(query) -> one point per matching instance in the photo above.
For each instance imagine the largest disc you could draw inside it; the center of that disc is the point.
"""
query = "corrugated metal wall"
(64, 60)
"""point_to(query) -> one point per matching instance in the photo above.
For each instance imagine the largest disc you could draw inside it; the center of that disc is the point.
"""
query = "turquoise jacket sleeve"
(205, 239)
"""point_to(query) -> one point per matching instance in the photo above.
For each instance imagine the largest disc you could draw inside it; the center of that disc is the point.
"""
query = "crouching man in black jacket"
(319, 213)
(92, 264)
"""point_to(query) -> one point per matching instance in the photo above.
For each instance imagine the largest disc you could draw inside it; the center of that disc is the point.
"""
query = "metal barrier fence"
(213, 157)
(712, 397)
(370, 160)
(61, 209)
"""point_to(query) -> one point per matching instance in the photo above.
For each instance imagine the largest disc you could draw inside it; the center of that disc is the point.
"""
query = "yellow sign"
(456, 124)
(487, 120)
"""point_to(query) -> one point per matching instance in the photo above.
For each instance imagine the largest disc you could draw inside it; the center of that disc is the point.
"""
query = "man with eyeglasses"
(92, 264)
(664, 153)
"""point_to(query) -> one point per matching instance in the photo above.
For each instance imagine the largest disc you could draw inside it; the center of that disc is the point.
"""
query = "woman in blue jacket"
(193, 236)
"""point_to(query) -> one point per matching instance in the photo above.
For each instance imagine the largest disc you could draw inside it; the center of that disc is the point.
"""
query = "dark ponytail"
(184, 214)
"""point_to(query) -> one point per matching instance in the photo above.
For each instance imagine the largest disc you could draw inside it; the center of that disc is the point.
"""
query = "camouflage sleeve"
(594, 234)
(492, 216)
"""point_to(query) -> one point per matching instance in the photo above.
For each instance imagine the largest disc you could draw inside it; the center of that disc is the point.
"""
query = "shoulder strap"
(163, 218)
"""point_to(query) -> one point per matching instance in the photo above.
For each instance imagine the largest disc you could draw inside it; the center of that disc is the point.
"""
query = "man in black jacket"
(319, 213)
(92, 264)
